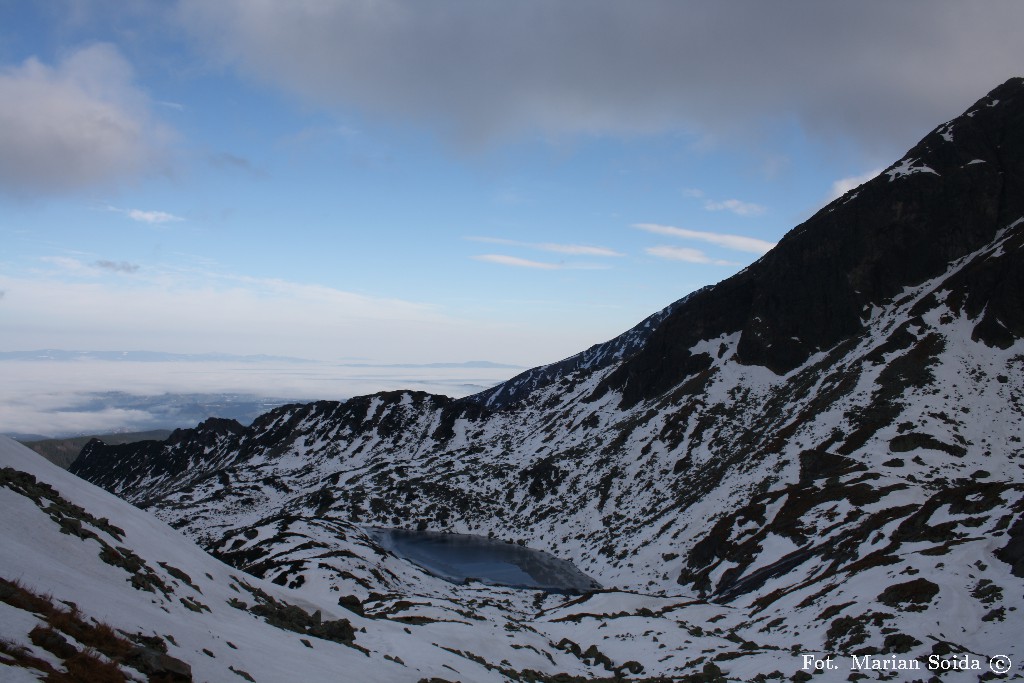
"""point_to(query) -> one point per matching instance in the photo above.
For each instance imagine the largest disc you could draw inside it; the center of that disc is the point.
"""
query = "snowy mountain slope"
(822, 453)
(182, 615)
(73, 543)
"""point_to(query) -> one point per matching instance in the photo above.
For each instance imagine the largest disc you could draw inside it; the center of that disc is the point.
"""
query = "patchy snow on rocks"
(908, 167)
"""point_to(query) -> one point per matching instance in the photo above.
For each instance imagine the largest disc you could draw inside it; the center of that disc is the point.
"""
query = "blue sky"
(437, 181)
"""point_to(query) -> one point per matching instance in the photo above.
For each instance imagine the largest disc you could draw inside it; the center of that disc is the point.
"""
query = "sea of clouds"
(63, 398)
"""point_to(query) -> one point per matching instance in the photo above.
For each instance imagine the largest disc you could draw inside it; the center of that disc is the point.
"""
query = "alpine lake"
(462, 558)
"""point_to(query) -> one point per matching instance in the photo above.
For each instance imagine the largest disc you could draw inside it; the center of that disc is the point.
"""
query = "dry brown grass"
(82, 666)
(15, 594)
(97, 635)
(103, 638)
(85, 667)
(13, 654)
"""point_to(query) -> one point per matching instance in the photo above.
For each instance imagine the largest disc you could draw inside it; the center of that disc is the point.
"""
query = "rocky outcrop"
(183, 456)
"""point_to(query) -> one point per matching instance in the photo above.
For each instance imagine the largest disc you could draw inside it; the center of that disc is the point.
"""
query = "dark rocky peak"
(947, 197)
(208, 432)
(186, 453)
(384, 413)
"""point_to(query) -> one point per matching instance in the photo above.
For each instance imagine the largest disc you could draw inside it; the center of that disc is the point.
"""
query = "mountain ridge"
(778, 314)
(795, 443)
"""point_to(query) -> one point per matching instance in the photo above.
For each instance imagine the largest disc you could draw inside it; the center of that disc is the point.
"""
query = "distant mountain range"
(466, 364)
(822, 455)
(164, 357)
(143, 356)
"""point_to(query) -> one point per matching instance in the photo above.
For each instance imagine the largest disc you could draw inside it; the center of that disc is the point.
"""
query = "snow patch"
(907, 167)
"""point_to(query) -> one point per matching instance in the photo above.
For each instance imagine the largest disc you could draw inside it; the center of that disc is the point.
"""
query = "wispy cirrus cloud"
(687, 254)
(571, 249)
(506, 260)
(735, 242)
(516, 261)
(67, 264)
(736, 206)
(150, 217)
(740, 208)
(153, 216)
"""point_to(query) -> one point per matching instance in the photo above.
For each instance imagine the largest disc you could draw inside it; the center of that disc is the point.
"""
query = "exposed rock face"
(185, 455)
(947, 197)
(843, 414)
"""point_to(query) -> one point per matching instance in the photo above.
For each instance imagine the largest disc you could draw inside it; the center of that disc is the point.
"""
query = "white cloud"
(78, 124)
(152, 216)
(844, 185)
(735, 206)
(740, 208)
(571, 249)
(517, 262)
(686, 254)
(577, 249)
(735, 242)
(68, 264)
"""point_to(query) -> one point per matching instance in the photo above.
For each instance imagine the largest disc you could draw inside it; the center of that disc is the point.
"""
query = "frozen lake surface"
(460, 557)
